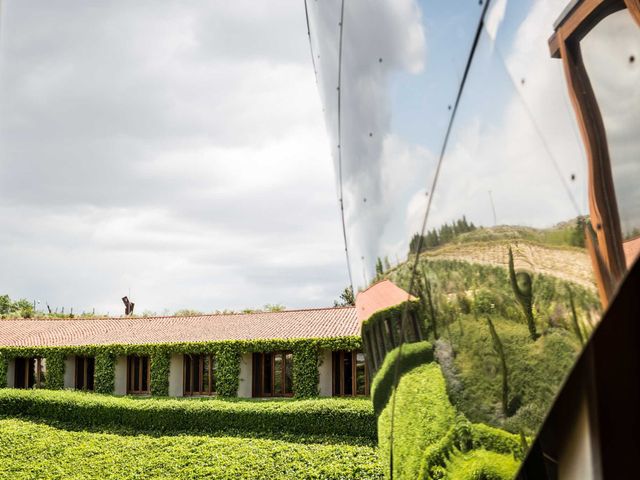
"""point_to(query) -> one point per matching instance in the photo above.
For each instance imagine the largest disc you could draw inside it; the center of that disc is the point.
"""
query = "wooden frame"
(338, 374)
(604, 238)
(190, 364)
(262, 359)
(138, 388)
(32, 374)
(86, 365)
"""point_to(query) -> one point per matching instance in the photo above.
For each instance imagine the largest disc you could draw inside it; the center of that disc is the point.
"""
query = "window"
(30, 372)
(138, 378)
(273, 374)
(85, 367)
(199, 375)
(350, 374)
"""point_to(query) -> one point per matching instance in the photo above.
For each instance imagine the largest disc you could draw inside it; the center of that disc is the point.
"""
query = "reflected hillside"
(470, 305)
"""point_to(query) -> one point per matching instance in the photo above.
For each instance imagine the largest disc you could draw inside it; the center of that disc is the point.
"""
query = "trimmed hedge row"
(413, 355)
(427, 431)
(331, 416)
(305, 361)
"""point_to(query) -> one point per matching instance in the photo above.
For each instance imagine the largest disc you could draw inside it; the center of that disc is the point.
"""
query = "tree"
(346, 298)
(187, 312)
(276, 307)
(578, 233)
(387, 264)
(574, 317)
(379, 267)
(497, 347)
(521, 284)
(23, 307)
(5, 304)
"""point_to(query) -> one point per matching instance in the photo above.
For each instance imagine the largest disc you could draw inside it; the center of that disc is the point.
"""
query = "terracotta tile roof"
(379, 296)
(631, 250)
(311, 323)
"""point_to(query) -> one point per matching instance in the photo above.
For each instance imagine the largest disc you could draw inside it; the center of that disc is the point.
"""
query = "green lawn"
(31, 450)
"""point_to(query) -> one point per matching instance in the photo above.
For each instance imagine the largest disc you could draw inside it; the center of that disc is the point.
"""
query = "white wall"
(121, 376)
(176, 375)
(69, 372)
(246, 367)
(11, 373)
(325, 384)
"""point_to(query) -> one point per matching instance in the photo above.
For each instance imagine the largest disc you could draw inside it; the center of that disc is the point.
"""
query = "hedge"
(228, 352)
(427, 430)
(423, 416)
(330, 416)
(381, 332)
(413, 355)
(481, 465)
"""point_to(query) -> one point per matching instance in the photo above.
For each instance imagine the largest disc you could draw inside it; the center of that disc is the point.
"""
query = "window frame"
(211, 375)
(82, 363)
(131, 387)
(337, 364)
(35, 365)
(258, 360)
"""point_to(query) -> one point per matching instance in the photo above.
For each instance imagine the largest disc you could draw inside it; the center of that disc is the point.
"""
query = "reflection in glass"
(288, 373)
(611, 53)
(504, 292)
(266, 386)
(360, 374)
(348, 374)
(206, 365)
(277, 374)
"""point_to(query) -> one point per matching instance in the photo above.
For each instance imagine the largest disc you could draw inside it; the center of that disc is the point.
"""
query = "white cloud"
(177, 150)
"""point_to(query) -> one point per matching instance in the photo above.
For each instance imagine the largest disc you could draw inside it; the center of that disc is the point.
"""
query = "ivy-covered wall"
(382, 331)
(305, 361)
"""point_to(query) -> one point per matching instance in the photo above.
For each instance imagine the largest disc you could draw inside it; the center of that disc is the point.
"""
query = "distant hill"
(470, 288)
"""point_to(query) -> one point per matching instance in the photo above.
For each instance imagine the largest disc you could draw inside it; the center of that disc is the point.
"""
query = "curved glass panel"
(503, 293)
(611, 52)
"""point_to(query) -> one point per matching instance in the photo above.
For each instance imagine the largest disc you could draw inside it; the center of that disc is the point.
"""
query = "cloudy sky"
(176, 151)
(515, 134)
(182, 152)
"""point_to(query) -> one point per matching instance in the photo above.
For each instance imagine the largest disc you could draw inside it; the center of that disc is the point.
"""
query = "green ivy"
(377, 343)
(227, 353)
(105, 372)
(160, 364)
(305, 369)
(228, 370)
(4, 366)
(55, 371)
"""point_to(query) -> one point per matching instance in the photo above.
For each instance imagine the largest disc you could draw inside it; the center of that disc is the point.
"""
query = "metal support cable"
(344, 227)
(339, 89)
(313, 60)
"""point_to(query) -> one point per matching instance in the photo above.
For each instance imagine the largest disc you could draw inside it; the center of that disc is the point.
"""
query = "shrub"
(481, 465)
(31, 450)
(496, 440)
(423, 417)
(331, 416)
(413, 355)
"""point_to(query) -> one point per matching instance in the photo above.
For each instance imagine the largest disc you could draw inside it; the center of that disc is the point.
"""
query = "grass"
(31, 450)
